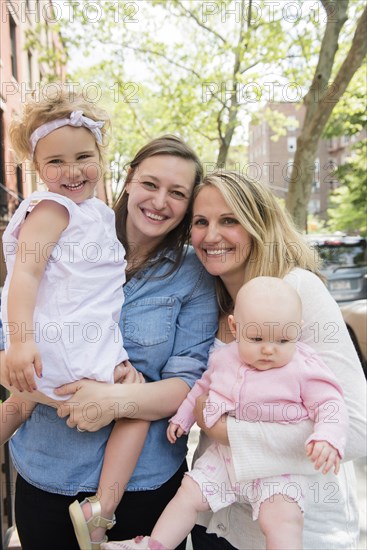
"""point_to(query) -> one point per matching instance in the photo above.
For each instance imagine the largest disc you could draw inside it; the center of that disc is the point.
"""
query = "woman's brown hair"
(169, 145)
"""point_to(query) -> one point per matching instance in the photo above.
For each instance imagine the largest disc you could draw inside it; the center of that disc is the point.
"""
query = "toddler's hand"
(125, 373)
(173, 432)
(22, 361)
(322, 453)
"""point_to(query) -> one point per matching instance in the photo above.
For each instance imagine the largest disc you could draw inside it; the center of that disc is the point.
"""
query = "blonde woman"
(240, 232)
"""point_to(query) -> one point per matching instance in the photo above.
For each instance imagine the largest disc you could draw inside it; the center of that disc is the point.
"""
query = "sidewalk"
(361, 473)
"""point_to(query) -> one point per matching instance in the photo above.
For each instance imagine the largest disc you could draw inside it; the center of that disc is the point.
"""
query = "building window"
(333, 184)
(314, 206)
(19, 182)
(30, 70)
(47, 36)
(292, 124)
(13, 47)
(316, 174)
(3, 194)
(291, 144)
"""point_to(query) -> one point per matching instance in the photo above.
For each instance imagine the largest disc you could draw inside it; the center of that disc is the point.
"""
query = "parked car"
(344, 265)
(355, 317)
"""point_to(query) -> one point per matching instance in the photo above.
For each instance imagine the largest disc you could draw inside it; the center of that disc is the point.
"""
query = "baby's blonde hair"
(271, 290)
(48, 106)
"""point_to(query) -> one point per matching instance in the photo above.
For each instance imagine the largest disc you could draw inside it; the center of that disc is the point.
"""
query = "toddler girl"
(63, 294)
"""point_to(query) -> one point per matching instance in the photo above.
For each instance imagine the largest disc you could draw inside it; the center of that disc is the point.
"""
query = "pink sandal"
(140, 543)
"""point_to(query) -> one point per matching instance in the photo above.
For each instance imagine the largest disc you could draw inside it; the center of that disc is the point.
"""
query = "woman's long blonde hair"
(276, 245)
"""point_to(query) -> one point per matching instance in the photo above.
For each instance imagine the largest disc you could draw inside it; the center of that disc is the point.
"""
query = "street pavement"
(361, 473)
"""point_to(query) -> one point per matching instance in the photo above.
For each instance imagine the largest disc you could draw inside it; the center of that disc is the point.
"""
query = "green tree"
(204, 60)
(349, 116)
(347, 210)
(321, 99)
(202, 67)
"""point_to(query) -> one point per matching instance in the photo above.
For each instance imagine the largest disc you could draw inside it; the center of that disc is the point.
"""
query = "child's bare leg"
(281, 521)
(13, 412)
(122, 452)
(32, 397)
(180, 514)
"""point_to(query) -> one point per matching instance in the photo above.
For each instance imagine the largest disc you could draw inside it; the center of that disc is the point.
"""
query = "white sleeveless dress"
(80, 296)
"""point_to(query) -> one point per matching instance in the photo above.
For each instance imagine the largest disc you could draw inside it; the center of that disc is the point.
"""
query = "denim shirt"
(168, 326)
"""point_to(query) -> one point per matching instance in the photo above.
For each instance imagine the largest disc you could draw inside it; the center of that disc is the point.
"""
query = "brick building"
(23, 65)
(21, 69)
(272, 159)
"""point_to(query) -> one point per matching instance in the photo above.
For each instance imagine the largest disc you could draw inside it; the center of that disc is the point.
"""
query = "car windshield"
(336, 255)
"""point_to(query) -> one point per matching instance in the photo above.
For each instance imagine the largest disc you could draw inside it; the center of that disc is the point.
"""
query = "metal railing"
(7, 490)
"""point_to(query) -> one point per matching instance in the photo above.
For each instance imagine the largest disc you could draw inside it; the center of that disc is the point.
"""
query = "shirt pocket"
(148, 322)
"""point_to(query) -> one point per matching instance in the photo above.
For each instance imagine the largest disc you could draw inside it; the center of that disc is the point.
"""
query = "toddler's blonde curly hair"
(51, 105)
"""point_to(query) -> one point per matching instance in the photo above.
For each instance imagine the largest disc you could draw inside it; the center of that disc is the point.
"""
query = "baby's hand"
(22, 361)
(322, 453)
(173, 432)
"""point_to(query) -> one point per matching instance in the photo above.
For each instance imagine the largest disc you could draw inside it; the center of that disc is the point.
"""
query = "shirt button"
(221, 526)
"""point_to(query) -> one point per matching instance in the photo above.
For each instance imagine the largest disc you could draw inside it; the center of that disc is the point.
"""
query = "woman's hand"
(94, 404)
(218, 432)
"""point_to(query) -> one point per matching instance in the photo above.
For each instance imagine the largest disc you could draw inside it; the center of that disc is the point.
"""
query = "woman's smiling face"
(159, 194)
(220, 241)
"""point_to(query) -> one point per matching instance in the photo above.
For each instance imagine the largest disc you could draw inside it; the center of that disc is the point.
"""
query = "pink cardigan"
(304, 388)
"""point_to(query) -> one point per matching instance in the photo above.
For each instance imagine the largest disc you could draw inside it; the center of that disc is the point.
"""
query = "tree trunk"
(223, 152)
(301, 180)
(320, 101)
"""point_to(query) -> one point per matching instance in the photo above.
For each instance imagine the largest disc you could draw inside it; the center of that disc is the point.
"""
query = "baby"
(265, 375)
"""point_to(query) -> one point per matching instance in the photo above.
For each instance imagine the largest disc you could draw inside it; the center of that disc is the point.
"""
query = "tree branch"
(328, 5)
(159, 54)
(139, 122)
(249, 67)
(329, 46)
(217, 97)
(219, 125)
(191, 15)
(207, 137)
(350, 65)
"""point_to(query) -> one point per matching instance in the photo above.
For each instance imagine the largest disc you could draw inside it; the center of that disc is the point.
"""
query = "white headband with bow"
(76, 119)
